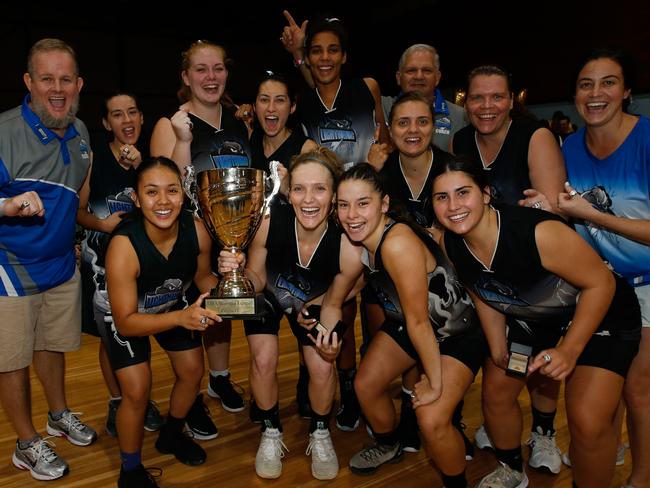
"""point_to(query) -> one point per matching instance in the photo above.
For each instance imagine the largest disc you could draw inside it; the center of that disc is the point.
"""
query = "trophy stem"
(234, 284)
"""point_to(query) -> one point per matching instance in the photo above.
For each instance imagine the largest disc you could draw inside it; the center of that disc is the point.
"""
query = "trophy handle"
(189, 187)
(275, 178)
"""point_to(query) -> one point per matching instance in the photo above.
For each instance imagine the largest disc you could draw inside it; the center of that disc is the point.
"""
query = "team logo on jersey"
(497, 292)
(336, 130)
(599, 199)
(83, 149)
(121, 202)
(295, 285)
(164, 296)
(443, 125)
(230, 154)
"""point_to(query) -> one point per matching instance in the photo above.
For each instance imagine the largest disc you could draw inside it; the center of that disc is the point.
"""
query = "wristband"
(298, 62)
(2, 207)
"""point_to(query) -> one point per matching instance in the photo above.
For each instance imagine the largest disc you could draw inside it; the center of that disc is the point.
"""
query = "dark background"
(136, 46)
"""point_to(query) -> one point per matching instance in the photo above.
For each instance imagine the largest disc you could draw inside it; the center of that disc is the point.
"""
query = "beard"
(52, 122)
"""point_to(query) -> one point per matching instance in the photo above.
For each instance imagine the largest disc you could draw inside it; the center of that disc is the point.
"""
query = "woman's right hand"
(293, 36)
(378, 153)
(229, 261)
(196, 317)
(182, 125)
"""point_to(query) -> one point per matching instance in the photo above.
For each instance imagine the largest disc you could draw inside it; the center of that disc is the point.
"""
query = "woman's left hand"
(554, 363)
(423, 392)
(328, 346)
(535, 199)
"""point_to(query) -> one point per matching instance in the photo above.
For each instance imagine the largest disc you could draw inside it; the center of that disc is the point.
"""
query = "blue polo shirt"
(37, 253)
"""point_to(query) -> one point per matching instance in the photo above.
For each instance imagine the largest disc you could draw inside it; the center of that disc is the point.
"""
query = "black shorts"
(539, 337)
(129, 351)
(470, 347)
(613, 353)
(268, 324)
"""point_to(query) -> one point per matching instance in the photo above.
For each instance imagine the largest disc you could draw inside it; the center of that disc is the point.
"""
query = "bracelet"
(2, 207)
(298, 62)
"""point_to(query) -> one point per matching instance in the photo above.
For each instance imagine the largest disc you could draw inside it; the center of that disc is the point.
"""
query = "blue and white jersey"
(620, 185)
(37, 253)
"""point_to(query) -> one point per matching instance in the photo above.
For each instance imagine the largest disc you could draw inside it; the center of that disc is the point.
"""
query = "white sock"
(216, 373)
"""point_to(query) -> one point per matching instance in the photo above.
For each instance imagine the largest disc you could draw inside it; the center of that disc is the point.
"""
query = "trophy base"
(236, 308)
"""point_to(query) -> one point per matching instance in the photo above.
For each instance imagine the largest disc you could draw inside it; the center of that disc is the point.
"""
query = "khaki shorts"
(48, 321)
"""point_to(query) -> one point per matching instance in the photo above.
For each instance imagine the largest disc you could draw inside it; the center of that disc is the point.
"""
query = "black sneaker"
(152, 419)
(347, 417)
(180, 445)
(457, 421)
(111, 428)
(231, 399)
(199, 422)
(408, 426)
(254, 412)
(139, 478)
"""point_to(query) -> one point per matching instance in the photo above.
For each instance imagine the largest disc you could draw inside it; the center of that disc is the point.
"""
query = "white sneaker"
(504, 477)
(482, 439)
(268, 461)
(544, 452)
(620, 458)
(324, 464)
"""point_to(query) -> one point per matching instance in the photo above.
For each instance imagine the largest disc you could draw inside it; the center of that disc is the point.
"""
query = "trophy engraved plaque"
(232, 202)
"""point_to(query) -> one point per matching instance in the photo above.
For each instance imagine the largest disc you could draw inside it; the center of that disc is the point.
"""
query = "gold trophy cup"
(232, 203)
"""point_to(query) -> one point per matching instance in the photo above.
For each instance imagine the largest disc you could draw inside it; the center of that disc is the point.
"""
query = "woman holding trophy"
(152, 258)
(296, 257)
(206, 133)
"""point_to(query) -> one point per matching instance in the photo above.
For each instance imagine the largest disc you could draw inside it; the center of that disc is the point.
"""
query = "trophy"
(232, 202)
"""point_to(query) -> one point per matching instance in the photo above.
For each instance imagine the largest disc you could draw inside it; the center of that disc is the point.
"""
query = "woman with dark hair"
(430, 323)
(608, 162)
(152, 258)
(207, 134)
(103, 201)
(272, 139)
(524, 166)
(297, 257)
(340, 114)
(528, 265)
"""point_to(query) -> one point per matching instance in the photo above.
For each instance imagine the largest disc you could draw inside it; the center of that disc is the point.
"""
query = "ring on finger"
(573, 193)
(537, 205)
(24, 204)
(547, 358)
(204, 320)
(412, 396)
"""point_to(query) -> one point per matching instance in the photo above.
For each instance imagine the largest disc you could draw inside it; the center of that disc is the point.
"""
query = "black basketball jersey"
(348, 128)
(508, 174)
(291, 283)
(111, 187)
(288, 149)
(516, 284)
(163, 281)
(451, 311)
(219, 148)
(420, 206)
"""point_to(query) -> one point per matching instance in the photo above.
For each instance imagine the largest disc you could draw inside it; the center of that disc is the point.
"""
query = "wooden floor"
(231, 457)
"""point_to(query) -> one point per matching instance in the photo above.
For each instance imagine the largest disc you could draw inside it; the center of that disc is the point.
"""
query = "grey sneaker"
(152, 419)
(620, 458)
(41, 460)
(70, 427)
(504, 477)
(544, 452)
(368, 460)
(482, 439)
(268, 461)
(324, 464)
